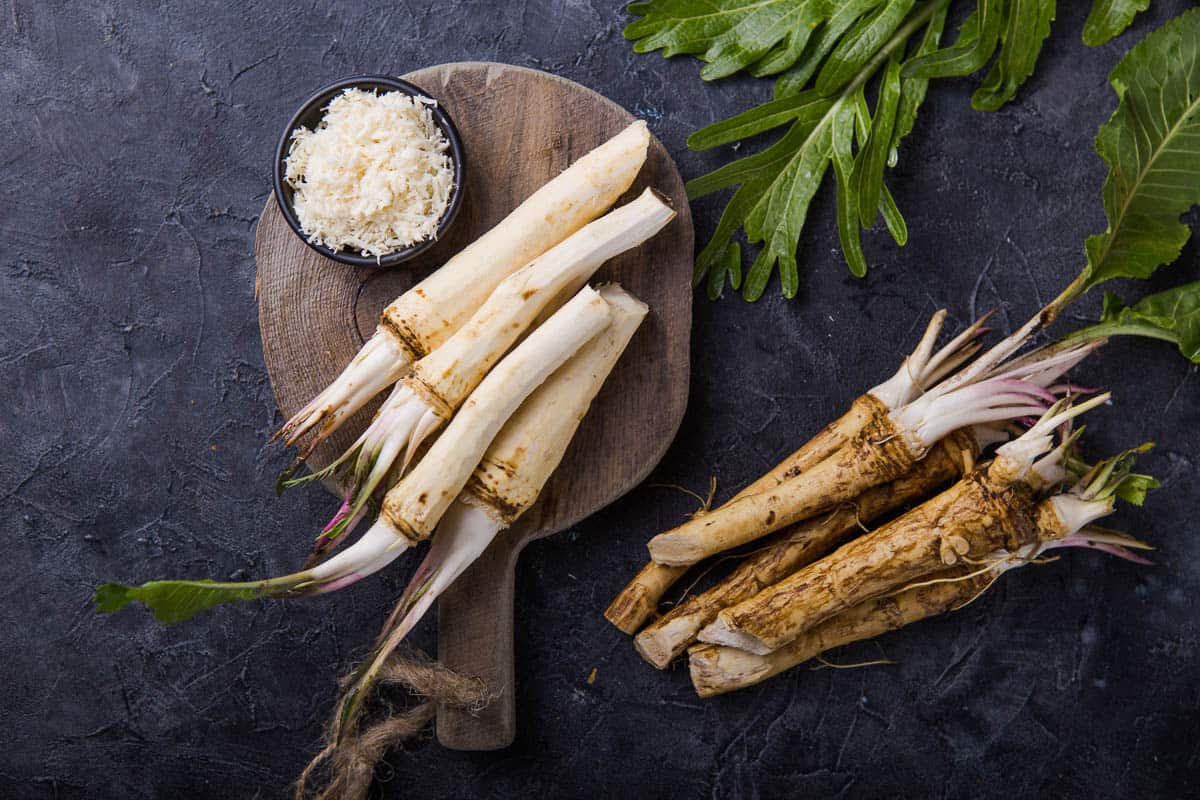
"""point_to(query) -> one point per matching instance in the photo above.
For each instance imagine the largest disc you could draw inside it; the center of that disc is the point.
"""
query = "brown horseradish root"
(971, 519)
(638, 601)
(667, 638)
(887, 447)
(716, 669)
(1063, 520)
(993, 508)
(923, 368)
(876, 455)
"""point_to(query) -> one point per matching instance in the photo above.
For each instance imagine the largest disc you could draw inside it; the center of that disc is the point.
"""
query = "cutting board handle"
(475, 637)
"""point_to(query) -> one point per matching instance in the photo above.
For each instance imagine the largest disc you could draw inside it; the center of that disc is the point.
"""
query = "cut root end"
(720, 632)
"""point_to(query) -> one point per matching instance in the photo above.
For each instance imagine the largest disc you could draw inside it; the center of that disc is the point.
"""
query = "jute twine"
(350, 763)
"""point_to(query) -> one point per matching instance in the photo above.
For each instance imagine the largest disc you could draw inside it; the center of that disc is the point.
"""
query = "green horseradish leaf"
(1152, 146)
(1108, 18)
(824, 53)
(178, 601)
(1173, 316)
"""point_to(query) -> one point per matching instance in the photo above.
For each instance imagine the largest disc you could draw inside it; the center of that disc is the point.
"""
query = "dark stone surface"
(135, 153)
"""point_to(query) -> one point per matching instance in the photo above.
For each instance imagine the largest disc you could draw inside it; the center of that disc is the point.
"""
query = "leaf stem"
(1103, 330)
(1068, 295)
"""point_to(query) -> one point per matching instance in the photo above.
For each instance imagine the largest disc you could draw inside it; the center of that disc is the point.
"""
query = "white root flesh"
(530, 446)
(414, 506)
(464, 533)
(372, 552)
(718, 632)
(441, 381)
(517, 464)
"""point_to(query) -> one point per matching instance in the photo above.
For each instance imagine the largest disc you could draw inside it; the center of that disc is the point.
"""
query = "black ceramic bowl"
(309, 116)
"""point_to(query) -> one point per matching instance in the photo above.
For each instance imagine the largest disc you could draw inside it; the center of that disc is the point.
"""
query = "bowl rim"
(320, 98)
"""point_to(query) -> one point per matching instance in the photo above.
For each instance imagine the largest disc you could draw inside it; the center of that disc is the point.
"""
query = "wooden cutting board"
(520, 127)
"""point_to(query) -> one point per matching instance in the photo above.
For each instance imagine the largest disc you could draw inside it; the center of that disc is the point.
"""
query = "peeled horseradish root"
(480, 335)
(438, 384)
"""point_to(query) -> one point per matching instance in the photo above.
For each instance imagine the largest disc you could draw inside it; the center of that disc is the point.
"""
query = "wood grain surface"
(520, 127)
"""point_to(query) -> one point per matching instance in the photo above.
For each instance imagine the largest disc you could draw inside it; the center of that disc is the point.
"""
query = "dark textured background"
(134, 155)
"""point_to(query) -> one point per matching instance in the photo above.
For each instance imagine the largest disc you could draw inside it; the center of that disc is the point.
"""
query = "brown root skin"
(665, 639)
(876, 455)
(831, 438)
(716, 670)
(639, 600)
(970, 520)
(1049, 524)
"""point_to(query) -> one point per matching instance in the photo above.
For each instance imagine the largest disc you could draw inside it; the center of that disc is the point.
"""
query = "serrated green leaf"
(731, 267)
(1108, 18)
(1112, 306)
(887, 204)
(788, 52)
(779, 215)
(734, 267)
(1027, 27)
(777, 185)
(762, 165)
(977, 39)
(861, 45)
(807, 107)
(1132, 488)
(862, 115)
(1161, 310)
(826, 50)
(868, 166)
(731, 219)
(827, 36)
(728, 34)
(1152, 146)
(1114, 477)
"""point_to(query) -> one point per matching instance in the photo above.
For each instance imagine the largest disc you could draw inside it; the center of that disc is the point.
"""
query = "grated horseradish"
(375, 176)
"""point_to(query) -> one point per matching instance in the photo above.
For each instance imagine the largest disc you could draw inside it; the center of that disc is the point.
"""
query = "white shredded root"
(375, 176)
